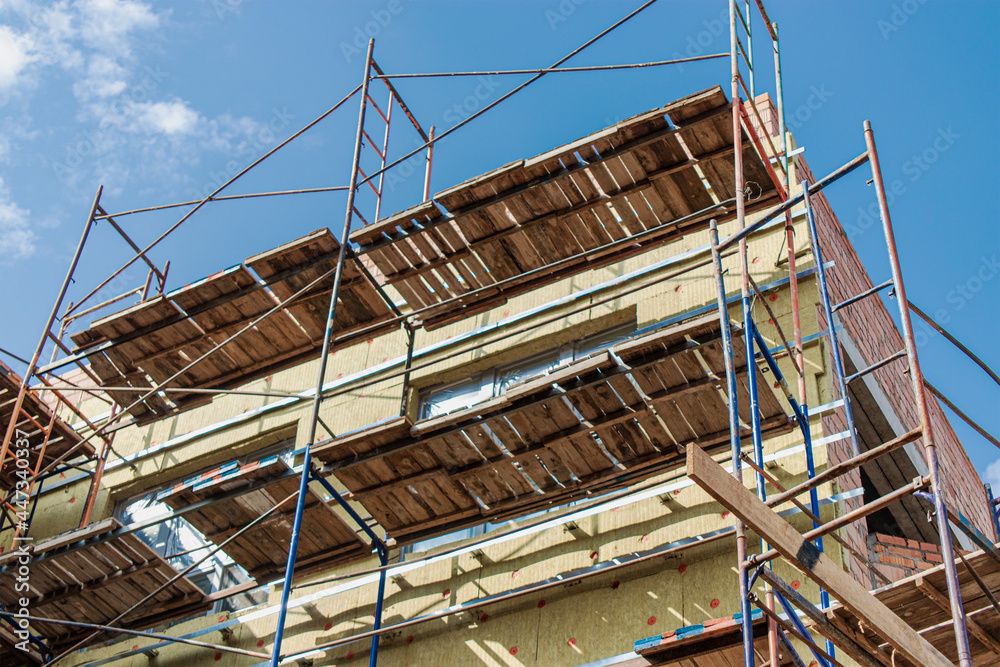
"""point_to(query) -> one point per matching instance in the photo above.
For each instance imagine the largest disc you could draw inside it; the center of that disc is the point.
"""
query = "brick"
(897, 561)
(890, 539)
(906, 553)
(921, 565)
(933, 558)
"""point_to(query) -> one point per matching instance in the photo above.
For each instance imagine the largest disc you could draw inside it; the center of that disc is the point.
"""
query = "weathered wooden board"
(208, 322)
(263, 550)
(581, 429)
(714, 643)
(918, 601)
(611, 194)
(98, 582)
(801, 553)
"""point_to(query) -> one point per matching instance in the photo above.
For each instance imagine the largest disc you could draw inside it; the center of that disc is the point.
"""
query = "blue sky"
(161, 102)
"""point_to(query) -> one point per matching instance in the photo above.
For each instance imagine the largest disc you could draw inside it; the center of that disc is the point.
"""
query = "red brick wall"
(873, 331)
(855, 534)
(898, 558)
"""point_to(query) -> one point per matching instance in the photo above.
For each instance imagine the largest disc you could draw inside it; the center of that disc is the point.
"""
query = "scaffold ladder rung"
(863, 295)
(874, 367)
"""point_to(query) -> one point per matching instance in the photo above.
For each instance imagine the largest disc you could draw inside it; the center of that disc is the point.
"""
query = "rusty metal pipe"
(95, 481)
(863, 295)
(552, 70)
(781, 334)
(954, 341)
(168, 390)
(379, 74)
(68, 317)
(23, 389)
(137, 633)
(131, 243)
(163, 207)
(815, 518)
(430, 160)
(832, 177)
(516, 90)
(968, 420)
(839, 469)
(920, 393)
(220, 189)
(848, 518)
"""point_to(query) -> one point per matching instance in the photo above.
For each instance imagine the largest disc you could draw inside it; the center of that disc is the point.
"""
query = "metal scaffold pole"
(923, 411)
(824, 294)
(324, 357)
(33, 365)
(793, 281)
(734, 432)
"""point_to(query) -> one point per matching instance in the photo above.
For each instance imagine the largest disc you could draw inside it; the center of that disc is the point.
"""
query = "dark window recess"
(881, 521)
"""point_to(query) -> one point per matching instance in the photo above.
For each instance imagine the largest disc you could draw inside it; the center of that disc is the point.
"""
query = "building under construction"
(633, 401)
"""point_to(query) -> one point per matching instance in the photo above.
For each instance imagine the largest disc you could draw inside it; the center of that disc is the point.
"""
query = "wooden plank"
(802, 553)
(93, 530)
(370, 233)
(941, 600)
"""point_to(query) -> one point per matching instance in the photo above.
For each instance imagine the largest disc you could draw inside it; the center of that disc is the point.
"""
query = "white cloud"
(13, 131)
(170, 118)
(17, 240)
(15, 54)
(52, 30)
(106, 25)
(992, 476)
(88, 38)
(227, 133)
(129, 128)
(105, 77)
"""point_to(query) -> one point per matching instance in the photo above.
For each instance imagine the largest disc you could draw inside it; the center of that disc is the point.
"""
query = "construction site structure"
(633, 401)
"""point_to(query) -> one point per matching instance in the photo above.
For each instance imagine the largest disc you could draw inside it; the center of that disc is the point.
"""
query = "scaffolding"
(799, 549)
(636, 185)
